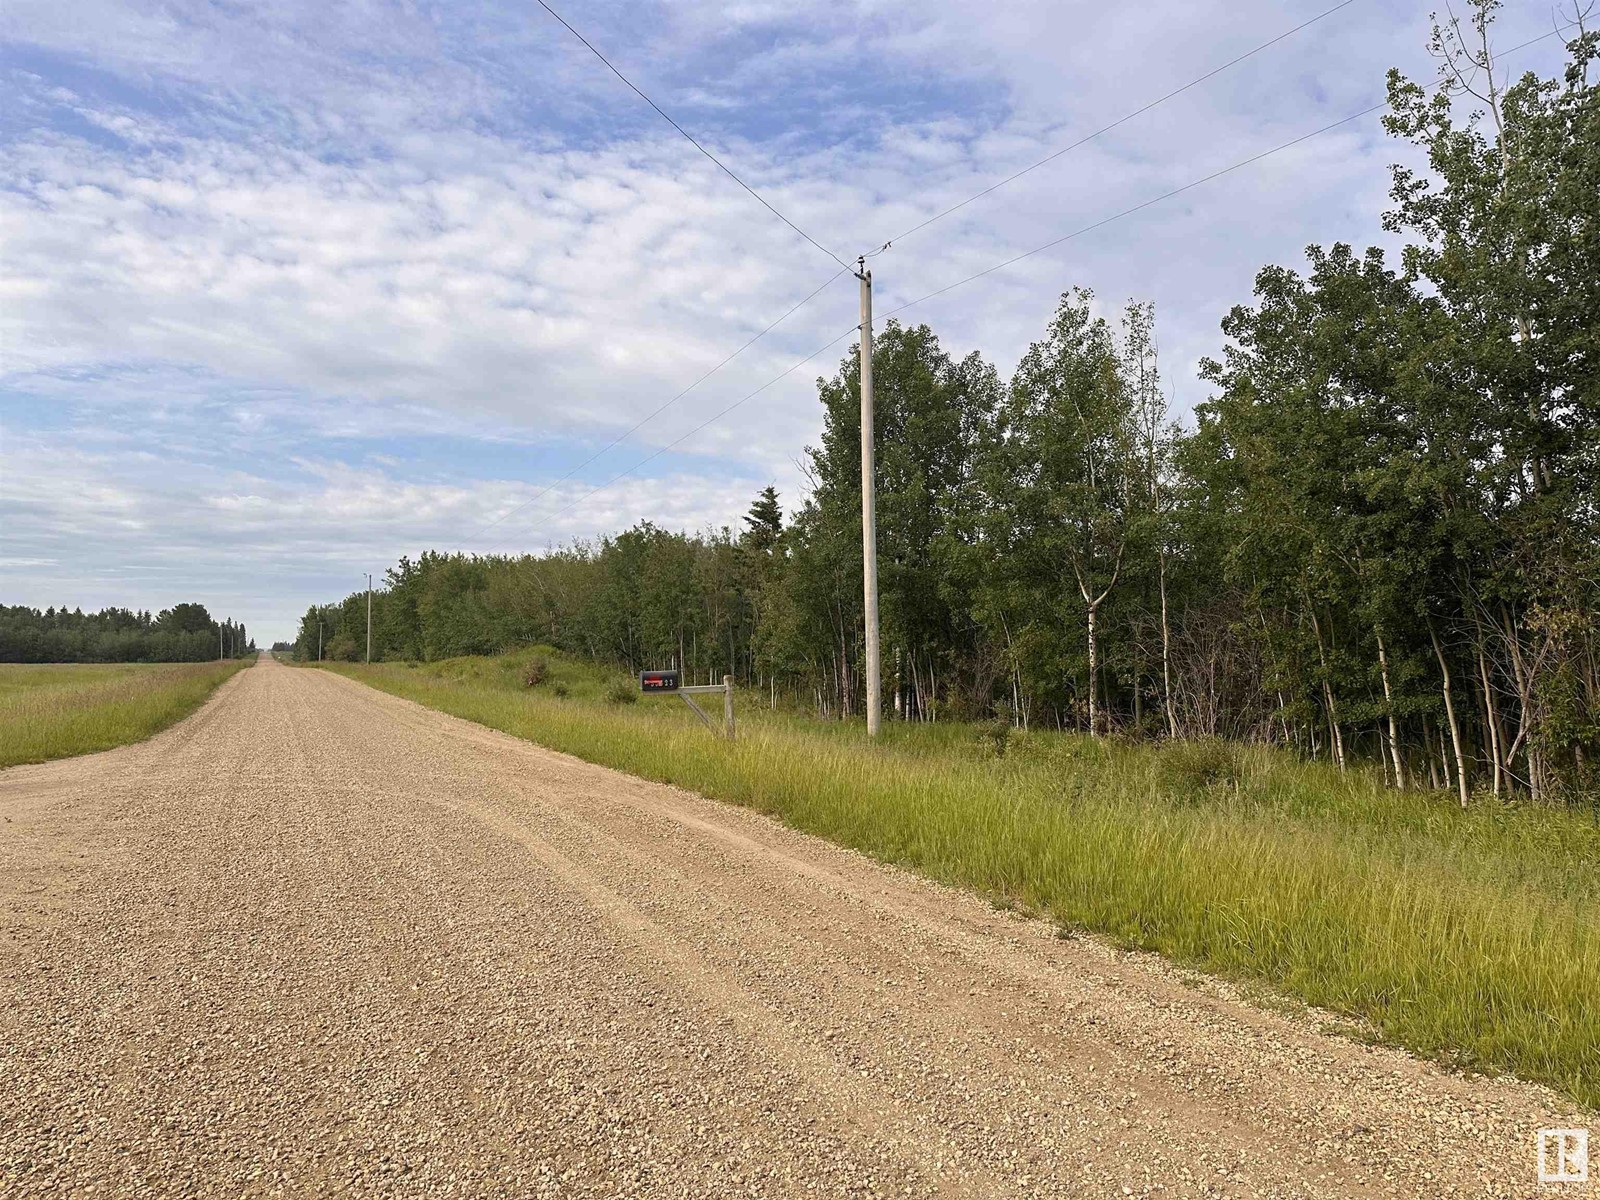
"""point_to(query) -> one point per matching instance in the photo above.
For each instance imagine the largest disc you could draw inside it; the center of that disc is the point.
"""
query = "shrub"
(1188, 769)
(622, 691)
(996, 733)
(535, 673)
(558, 690)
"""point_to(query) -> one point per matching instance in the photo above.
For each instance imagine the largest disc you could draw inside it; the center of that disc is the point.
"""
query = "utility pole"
(369, 618)
(319, 639)
(219, 641)
(869, 506)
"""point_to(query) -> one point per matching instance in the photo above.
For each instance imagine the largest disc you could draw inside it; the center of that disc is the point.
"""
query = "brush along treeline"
(1379, 540)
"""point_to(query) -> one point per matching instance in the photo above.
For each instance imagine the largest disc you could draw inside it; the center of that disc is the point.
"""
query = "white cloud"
(560, 291)
(262, 548)
(287, 225)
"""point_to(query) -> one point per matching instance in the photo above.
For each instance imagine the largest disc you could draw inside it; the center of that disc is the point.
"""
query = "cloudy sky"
(291, 288)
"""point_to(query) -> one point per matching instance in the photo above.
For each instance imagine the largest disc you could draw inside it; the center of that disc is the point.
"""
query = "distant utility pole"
(369, 618)
(869, 506)
(220, 655)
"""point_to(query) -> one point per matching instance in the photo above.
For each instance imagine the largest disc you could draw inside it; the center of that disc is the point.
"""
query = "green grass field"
(1472, 938)
(59, 709)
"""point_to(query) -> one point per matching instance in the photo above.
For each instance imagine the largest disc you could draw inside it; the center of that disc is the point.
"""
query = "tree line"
(1378, 541)
(182, 633)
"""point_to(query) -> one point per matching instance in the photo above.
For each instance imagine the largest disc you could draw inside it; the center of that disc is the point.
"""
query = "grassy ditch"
(59, 709)
(1472, 938)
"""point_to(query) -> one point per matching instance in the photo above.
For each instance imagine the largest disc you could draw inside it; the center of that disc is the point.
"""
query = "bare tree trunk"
(1335, 733)
(1094, 603)
(1016, 675)
(1491, 713)
(1166, 656)
(1450, 714)
(1335, 737)
(1388, 701)
(1427, 750)
(1525, 705)
(1094, 727)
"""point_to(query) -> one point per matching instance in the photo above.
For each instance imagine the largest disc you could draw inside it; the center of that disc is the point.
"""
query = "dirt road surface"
(318, 940)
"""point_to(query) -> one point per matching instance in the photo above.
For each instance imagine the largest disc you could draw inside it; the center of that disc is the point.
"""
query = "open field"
(1470, 937)
(60, 709)
(320, 940)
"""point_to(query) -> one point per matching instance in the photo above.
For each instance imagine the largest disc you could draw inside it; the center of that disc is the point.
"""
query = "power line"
(1254, 158)
(949, 287)
(959, 283)
(610, 66)
(1233, 62)
(618, 440)
(727, 170)
(1178, 191)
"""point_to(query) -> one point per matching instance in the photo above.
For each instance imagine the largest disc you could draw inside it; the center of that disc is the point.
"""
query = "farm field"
(56, 710)
(1472, 938)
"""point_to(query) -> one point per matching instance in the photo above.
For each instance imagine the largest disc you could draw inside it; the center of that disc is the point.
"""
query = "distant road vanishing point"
(317, 940)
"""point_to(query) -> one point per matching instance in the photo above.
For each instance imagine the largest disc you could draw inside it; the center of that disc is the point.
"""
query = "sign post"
(670, 683)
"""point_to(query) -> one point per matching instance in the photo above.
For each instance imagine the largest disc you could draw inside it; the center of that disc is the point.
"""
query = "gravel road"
(318, 940)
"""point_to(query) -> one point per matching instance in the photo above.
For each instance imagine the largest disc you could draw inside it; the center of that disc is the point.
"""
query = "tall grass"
(62, 709)
(1470, 937)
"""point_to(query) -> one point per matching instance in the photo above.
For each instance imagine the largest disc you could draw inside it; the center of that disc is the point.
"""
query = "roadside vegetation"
(1377, 545)
(60, 709)
(1472, 937)
(1305, 691)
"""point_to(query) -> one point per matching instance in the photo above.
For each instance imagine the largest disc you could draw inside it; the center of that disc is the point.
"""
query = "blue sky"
(291, 289)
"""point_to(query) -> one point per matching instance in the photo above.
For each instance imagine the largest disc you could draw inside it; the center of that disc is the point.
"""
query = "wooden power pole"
(869, 515)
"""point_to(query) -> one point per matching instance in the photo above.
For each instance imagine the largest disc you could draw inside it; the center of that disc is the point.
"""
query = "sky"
(289, 289)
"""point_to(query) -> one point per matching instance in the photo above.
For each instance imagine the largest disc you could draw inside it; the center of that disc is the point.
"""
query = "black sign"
(658, 681)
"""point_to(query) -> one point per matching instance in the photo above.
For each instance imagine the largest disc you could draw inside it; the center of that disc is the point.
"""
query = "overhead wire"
(1177, 191)
(1123, 120)
(1128, 212)
(689, 137)
(844, 266)
(1255, 158)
